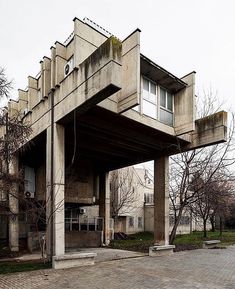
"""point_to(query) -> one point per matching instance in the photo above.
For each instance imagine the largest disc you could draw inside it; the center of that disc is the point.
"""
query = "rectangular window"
(140, 222)
(131, 222)
(166, 107)
(148, 198)
(149, 98)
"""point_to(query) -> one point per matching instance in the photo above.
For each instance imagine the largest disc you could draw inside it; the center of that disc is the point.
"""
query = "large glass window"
(149, 98)
(166, 107)
(157, 102)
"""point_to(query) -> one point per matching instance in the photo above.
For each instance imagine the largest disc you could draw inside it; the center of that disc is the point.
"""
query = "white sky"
(179, 35)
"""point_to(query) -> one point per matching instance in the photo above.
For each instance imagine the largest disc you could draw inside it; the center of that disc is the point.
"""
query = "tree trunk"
(204, 229)
(174, 229)
(212, 220)
(191, 222)
(221, 226)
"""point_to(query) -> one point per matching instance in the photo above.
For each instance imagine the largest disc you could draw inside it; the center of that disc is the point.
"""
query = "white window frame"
(149, 91)
(157, 103)
(165, 108)
(167, 91)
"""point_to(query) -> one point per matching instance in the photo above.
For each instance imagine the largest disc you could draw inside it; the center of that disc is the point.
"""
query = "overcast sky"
(179, 35)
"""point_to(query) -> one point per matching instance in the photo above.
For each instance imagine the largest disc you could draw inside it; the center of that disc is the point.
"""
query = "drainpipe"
(52, 172)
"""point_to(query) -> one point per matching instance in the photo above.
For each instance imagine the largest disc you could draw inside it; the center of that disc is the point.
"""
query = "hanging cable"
(74, 136)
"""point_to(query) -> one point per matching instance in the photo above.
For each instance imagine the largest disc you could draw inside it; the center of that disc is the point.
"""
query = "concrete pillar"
(14, 208)
(48, 195)
(104, 205)
(58, 190)
(55, 213)
(161, 201)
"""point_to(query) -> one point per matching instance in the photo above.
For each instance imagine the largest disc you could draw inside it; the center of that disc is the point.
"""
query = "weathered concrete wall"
(40, 184)
(149, 218)
(33, 240)
(209, 130)
(184, 105)
(79, 186)
(197, 224)
(83, 239)
(120, 225)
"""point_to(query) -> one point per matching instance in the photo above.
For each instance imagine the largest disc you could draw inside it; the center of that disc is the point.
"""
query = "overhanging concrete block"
(209, 130)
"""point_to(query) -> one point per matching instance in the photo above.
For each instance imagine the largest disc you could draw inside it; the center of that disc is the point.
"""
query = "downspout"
(52, 172)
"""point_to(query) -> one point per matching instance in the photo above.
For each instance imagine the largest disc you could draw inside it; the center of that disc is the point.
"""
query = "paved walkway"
(201, 269)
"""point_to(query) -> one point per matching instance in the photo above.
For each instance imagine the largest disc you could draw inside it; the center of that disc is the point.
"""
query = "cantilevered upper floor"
(98, 78)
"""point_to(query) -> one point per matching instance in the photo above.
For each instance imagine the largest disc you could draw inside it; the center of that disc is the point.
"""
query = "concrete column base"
(161, 250)
(73, 260)
(14, 248)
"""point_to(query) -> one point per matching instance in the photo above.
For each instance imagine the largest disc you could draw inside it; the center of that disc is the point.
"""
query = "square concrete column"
(161, 201)
(55, 194)
(14, 207)
(104, 205)
(58, 190)
(49, 193)
(161, 208)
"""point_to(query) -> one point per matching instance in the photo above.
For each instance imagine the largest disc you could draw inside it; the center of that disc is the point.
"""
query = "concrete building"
(135, 203)
(80, 110)
(129, 188)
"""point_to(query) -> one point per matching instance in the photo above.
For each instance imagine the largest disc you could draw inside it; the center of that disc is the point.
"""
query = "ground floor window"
(131, 222)
(140, 222)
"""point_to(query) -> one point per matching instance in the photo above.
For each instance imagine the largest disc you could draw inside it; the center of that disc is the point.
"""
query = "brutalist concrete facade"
(80, 111)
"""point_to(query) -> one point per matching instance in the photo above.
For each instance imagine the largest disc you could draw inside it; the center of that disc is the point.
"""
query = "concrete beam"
(96, 78)
(209, 130)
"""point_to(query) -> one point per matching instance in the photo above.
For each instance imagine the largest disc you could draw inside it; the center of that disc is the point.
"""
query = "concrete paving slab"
(199, 269)
(108, 254)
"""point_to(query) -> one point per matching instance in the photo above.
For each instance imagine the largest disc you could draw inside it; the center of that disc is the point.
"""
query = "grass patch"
(196, 238)
(141, 242)
(13, 266)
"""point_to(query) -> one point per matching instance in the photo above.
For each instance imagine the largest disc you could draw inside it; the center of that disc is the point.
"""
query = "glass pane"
(162, 97)
(145, 84)
(169, 101)
(149, 109)
(166, 117)
(152, 88)
(152, 98)
(145, 94)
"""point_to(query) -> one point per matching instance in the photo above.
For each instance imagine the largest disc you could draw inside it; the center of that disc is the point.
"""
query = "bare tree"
(201, 164)
(14, 134)
(122, 192)
(5, 85)
(211, 199)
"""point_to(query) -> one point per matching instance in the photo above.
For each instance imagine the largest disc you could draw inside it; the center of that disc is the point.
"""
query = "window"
(166, 107)
(140, 222)
(157, 102)
(149, 98)
(148, 198)
(131, 222)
